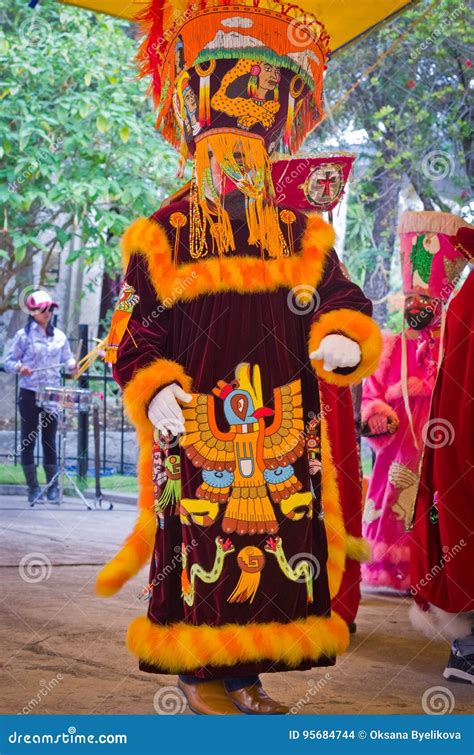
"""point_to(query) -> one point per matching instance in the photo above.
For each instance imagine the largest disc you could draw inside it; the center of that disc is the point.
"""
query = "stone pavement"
(63, 648)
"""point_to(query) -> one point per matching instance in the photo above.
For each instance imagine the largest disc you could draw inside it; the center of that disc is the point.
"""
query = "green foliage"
(407, 87)
(395, 320)
(80, 154)
(360, 246)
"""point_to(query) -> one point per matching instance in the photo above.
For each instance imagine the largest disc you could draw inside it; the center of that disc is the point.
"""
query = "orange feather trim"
(134, 554)
(333, 518)
(138, 547)
(354, 325)
(358, 549)
(180, 647)
(242, 274)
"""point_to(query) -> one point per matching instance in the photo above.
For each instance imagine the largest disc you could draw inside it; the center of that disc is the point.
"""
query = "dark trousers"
(232, 683)
(32, 419)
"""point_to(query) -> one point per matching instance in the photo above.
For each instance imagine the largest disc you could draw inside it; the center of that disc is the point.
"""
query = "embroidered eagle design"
(244, 465)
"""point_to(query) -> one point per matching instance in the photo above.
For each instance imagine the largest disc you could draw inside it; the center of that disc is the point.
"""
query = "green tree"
(407, 88)
(80, 156)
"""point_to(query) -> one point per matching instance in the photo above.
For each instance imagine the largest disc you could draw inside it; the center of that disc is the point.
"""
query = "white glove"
(337, 351)
(165, 413)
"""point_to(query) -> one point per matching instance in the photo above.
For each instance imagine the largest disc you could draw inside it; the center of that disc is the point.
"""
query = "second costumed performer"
(396, 398)
(208, 345)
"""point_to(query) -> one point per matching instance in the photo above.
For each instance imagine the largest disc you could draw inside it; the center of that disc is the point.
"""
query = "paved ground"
(63, 648)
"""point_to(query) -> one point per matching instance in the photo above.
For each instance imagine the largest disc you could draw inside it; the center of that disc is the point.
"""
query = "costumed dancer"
(396, 399)
(37, 354)
(243, 565)
(442, 561)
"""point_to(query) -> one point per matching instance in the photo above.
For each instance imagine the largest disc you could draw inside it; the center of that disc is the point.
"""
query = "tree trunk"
(385, 213)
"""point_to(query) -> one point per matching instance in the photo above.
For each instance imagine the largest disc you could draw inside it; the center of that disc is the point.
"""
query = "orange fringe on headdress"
(244, 160)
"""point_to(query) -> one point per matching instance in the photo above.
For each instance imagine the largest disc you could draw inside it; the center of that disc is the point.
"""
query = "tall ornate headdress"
(237, 81)
(431, 263)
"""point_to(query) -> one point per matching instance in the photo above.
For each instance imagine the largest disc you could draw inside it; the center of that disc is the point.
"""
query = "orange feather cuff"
(144, 385)
(357, 326)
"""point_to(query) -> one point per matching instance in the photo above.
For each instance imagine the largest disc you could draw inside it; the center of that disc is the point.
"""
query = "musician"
(37, 353)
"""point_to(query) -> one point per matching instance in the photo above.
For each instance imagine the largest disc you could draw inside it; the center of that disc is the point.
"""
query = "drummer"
(37, 353)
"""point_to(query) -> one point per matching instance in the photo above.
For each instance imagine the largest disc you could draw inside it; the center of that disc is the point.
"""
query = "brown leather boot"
(208, 698)
(254, 699)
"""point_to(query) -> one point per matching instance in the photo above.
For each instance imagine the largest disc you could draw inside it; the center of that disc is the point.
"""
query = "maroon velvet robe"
(208, 335)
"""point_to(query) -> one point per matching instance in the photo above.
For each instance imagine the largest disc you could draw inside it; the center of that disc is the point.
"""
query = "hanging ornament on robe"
(127, 301)
(251, 561)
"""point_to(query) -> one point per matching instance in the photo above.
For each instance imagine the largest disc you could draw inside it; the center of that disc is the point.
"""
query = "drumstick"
(50, 367)
(90, 358)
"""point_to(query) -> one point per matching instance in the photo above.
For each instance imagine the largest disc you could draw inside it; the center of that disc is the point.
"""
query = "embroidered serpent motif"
(304, 569)
(223, 548)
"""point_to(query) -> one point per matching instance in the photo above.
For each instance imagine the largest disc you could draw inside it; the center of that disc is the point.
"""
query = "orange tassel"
(205, 92)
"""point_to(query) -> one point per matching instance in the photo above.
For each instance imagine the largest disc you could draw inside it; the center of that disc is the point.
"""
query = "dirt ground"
(63, 648)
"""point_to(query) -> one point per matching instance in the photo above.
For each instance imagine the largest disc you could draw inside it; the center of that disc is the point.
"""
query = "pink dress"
(393, 484)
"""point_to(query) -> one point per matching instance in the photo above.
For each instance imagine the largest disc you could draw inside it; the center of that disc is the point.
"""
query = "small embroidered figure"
(127, 300)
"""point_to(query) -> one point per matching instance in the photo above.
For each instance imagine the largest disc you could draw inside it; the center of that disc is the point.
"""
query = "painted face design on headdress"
(179, 61)
(423, 250)
(185, 101)
(252, 65)
(251, 95)
(431, 264)
(421, 311)
(249, 92)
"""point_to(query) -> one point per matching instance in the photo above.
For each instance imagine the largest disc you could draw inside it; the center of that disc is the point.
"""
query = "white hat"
(40, 301)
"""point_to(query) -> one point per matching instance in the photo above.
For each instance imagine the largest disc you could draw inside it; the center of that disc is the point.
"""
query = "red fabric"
(442, 560)
(290, 179)
(342, 437)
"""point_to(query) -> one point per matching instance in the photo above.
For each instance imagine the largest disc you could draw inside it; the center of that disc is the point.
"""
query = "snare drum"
(72, 399)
